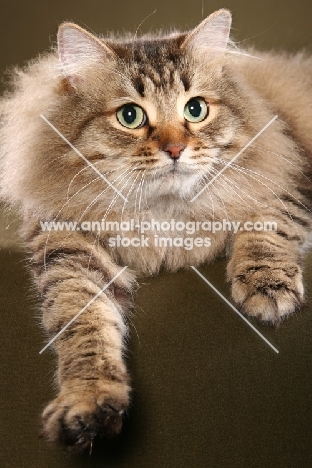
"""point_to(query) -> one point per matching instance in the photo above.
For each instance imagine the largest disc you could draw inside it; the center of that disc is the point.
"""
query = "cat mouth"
(173, 173)
(174, 170)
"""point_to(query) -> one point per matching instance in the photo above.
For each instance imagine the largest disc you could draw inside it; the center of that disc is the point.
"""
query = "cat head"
(155, 116)
(150, 108)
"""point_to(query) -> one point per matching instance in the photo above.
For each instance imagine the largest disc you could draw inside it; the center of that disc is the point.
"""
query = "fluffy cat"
(154, 119)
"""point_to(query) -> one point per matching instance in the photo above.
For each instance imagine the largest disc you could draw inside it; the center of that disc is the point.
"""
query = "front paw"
(79, 414)
(268, 293)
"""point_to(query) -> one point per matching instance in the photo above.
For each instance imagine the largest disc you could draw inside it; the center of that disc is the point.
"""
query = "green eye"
(196, 110)
(131, 116)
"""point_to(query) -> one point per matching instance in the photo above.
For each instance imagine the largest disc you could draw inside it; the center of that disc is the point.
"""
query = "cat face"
(166, 122)
(153, 111)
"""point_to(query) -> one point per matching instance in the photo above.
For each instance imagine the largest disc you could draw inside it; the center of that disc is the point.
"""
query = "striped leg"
(92, 377)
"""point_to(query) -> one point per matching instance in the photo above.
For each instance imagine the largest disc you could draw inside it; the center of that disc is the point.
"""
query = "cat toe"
(75, 419)
(273, 308)
(270, 295)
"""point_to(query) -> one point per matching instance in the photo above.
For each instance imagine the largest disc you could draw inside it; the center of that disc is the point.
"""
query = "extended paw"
(268, 293)
(78, 415)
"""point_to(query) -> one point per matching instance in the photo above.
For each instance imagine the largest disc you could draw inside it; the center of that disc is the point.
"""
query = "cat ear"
(211, 36)
(78, 50)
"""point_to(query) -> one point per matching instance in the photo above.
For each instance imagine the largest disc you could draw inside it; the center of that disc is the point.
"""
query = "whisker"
(272, 191)
(137, 29)
(129, 193)
(278, 185)
(85, 169)
(212, 189)
(232, 184)
(110, 207)
(229, 183)
(136, 194)
(285, 159)
(141, 190)
(95, 199)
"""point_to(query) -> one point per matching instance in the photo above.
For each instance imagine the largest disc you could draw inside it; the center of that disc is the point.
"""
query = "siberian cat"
(139, 137)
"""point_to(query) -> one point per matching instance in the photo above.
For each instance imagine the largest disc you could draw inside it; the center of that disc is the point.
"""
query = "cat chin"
(174, 184)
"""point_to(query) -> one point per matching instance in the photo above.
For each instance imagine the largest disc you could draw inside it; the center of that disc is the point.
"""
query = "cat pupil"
(129, 114)
(195, 108)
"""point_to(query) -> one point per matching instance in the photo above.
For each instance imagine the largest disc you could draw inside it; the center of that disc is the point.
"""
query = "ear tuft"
(78, 50)
(211, 36)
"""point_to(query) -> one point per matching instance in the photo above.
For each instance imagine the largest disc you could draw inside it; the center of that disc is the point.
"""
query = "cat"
(143, 132)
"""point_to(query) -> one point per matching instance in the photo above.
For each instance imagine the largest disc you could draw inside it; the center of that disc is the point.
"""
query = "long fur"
(80, 90)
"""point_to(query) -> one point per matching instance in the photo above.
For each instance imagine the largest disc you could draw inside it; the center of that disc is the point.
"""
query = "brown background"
(207, 391)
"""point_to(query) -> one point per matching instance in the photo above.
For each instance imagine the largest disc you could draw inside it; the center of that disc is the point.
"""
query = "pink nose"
(174, 151)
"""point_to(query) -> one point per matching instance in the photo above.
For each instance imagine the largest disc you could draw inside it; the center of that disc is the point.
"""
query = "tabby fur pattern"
(79, 88)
